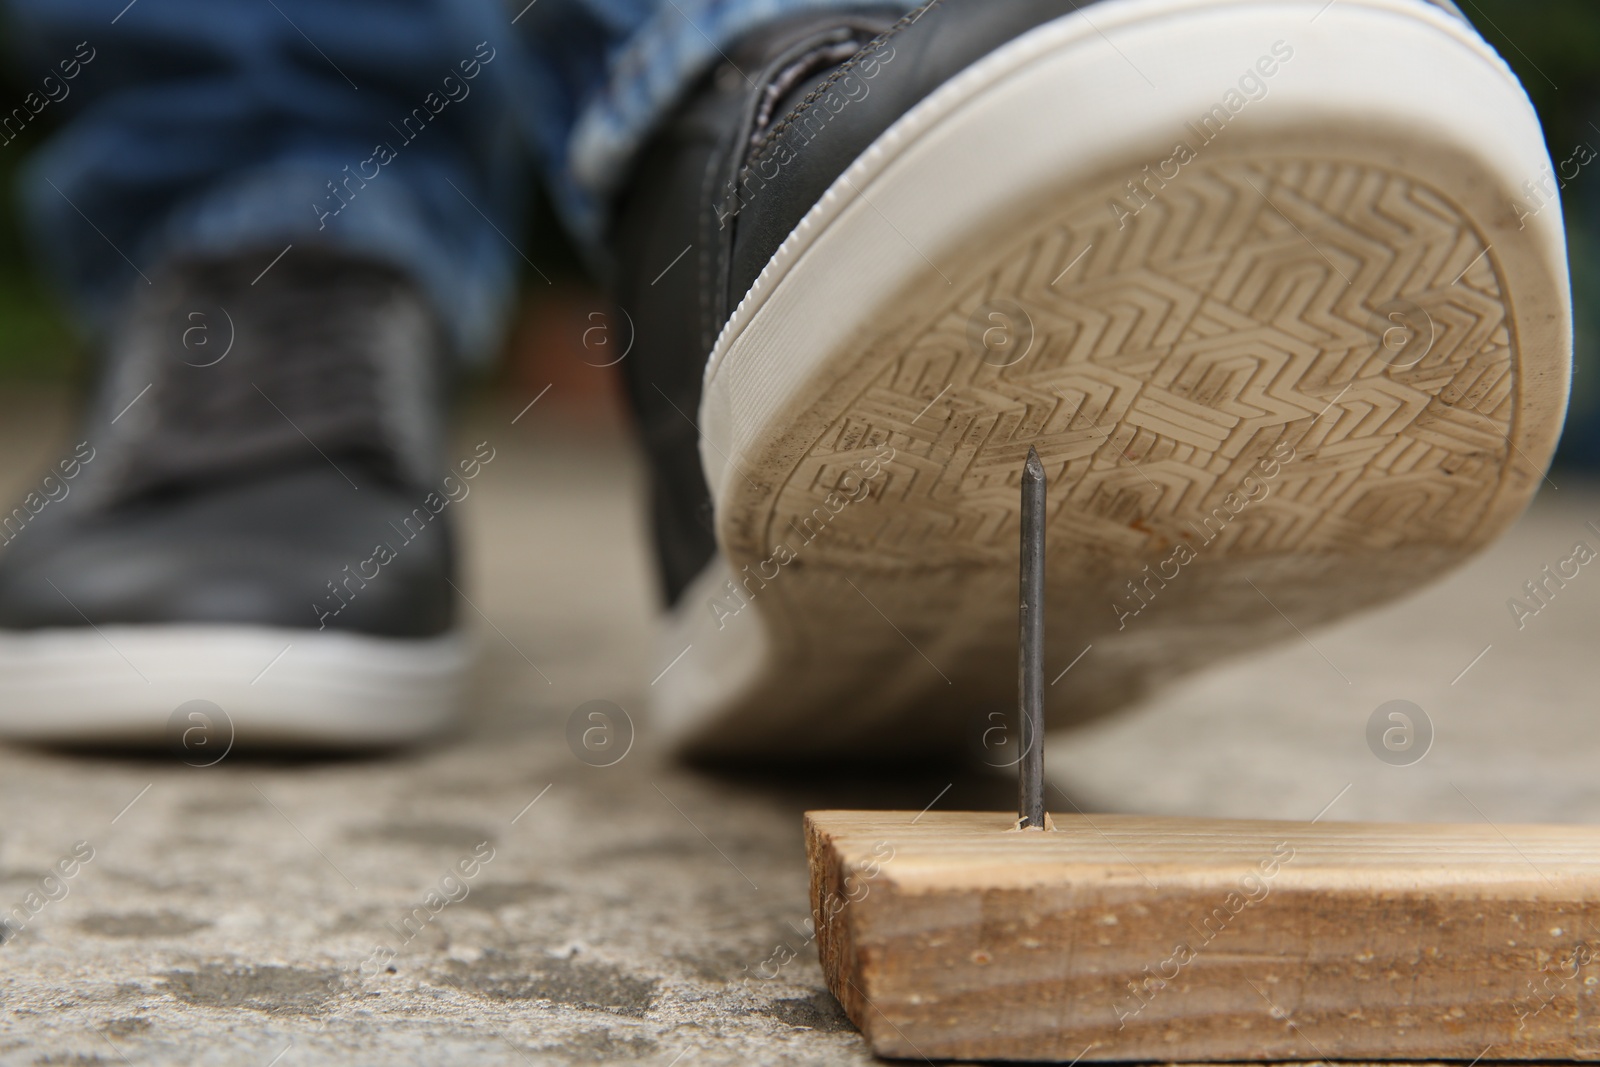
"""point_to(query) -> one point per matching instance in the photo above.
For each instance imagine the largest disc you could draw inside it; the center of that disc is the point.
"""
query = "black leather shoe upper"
(256, 453)
(731, 175)
(296, 547)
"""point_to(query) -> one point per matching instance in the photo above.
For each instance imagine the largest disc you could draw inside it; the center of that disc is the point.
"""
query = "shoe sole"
(1305, 370)
(260, 687)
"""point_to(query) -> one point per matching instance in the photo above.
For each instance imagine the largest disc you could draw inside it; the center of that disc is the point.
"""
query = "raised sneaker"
(1251, 276)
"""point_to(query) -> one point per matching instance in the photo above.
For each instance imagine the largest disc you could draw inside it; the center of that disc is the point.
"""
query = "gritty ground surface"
(631, 914)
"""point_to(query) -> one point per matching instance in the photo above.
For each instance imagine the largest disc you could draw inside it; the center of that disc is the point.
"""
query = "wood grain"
(1120, 937)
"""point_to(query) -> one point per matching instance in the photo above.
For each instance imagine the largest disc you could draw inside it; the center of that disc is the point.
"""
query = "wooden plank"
(1120, 937)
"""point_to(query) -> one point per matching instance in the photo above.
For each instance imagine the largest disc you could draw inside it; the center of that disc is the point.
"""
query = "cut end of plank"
(1116, 937)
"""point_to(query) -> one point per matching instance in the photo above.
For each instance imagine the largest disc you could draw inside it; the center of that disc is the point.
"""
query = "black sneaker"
(1252, 277)
(255, 516)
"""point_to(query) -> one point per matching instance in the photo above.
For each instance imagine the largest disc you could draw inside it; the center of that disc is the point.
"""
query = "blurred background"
(622, 919)
(1554, 46)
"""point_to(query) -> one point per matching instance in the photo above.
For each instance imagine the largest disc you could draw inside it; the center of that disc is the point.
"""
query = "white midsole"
(274, 685)
(1064, 103)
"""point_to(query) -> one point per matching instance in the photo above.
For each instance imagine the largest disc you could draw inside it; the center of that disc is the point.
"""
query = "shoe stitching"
(844, 69)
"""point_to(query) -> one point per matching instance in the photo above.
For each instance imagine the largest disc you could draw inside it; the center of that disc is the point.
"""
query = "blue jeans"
(397, 129)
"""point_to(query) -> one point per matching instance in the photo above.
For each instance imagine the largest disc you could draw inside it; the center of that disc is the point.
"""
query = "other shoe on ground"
(255, 515)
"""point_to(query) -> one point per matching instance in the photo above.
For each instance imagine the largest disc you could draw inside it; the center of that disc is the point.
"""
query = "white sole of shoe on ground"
(1251, 276)
(123, 684)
